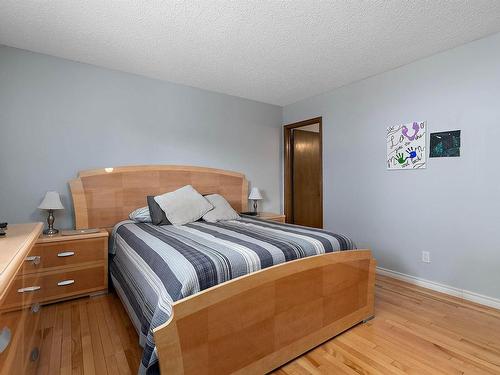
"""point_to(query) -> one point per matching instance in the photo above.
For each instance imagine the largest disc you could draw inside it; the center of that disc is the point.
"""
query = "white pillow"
(222, 209)
(141, 215)
(183, 205)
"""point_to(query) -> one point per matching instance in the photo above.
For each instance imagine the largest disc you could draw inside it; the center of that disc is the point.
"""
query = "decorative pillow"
(157, 215)
(141, 215)
(222, 209)
(184, 205)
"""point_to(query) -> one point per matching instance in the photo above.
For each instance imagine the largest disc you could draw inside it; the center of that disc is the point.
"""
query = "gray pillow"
(157, 215)
(222, 209)
(141, 215)
(184, 205)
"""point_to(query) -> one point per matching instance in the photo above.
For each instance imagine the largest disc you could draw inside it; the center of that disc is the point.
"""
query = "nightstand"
(271, 216)
(62, 267)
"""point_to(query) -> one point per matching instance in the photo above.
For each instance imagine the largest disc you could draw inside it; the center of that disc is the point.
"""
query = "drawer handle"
(65, 282)
(35, 259)
(66, 254)
(5, 337)
(33, 288)
(35, 354)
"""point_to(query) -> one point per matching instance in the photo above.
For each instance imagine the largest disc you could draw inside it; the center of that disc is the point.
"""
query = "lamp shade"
(255, 194)
(52, 201)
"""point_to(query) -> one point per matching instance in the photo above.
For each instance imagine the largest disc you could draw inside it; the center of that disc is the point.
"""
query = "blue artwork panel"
(445, 144)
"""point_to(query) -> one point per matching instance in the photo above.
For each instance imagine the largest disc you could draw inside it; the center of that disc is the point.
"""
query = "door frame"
(288, 165)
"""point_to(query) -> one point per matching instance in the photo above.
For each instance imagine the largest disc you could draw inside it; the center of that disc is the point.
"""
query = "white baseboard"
(450, 290)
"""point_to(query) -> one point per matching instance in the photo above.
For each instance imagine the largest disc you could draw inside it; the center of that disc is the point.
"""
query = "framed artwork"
(406, 146)
(445, 144)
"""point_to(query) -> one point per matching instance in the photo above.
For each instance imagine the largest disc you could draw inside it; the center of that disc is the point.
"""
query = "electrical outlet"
(426, 256)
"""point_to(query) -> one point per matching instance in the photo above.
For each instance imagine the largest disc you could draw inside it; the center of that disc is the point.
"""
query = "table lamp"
(51, 202)
(255, 196)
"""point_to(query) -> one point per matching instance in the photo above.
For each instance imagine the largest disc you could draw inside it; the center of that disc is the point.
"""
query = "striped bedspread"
(153, 266)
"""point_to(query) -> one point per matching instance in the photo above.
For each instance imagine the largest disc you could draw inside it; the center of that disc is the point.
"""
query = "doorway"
(304, 173)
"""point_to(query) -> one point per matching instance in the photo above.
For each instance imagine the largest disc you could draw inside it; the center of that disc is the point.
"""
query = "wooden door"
(306, 178)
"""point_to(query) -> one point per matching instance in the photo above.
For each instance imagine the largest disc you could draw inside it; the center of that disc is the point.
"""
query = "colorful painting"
(406, 146)
(445, 144)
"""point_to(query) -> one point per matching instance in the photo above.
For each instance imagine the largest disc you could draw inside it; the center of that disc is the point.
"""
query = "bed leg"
(368, 319)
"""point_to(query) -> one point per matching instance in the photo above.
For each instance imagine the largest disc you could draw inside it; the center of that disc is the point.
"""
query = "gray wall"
(452, 208)
(58, 117)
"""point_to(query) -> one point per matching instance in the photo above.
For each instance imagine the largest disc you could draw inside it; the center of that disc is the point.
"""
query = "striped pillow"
(140, 215)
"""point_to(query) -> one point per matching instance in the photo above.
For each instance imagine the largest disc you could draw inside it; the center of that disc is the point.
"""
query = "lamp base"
(50, 231)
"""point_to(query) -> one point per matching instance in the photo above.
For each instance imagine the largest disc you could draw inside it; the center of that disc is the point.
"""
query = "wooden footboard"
(256, 323)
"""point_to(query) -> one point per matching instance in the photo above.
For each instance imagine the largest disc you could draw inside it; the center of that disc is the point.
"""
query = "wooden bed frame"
(249, 325)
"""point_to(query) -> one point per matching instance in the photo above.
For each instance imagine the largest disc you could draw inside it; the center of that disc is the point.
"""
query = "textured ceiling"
(272, 51)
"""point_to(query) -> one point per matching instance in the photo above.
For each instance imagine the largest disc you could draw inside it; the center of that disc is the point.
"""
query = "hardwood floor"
(88, 336)
(415, 331)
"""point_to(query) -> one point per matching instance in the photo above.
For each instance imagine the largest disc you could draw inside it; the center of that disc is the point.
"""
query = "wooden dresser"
(47, 269)
(20, 335)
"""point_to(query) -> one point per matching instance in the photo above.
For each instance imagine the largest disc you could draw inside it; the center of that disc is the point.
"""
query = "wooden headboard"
(104, 197)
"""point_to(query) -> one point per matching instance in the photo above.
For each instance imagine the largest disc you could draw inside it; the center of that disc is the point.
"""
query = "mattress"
(154, 266)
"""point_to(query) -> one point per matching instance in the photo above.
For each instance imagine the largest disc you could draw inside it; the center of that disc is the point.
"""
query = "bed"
(242, 296)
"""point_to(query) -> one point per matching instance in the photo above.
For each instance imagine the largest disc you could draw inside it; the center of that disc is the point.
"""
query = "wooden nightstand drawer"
(44, 256)
(56, 285)
(280, 218)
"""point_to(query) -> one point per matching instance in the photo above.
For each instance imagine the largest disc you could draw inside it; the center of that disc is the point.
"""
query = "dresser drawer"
(24, 299)
(11, 339)
(56, 285)
(44, 256)
(20, 340)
